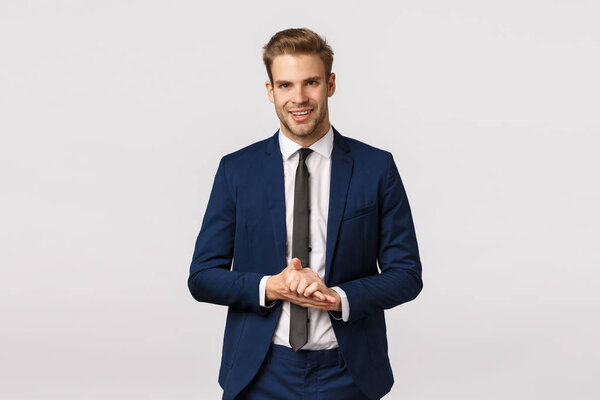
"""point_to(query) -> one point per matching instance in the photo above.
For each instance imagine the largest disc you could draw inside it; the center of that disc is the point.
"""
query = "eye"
(312, 82)
(283, 85)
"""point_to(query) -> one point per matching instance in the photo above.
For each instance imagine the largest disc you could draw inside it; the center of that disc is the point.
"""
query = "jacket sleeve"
(398, 256)
(211, 279)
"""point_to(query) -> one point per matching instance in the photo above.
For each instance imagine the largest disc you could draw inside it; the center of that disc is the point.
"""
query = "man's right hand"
(278, 287)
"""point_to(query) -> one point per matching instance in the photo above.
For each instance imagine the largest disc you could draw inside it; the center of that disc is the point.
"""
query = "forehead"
(296, 67)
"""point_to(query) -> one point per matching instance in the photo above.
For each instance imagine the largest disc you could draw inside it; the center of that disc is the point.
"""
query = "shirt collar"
(323, 146)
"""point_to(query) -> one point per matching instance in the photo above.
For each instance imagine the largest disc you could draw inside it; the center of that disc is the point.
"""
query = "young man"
(305, 217)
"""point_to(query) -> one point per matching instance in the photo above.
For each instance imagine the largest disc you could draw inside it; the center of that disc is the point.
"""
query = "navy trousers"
(302, 375)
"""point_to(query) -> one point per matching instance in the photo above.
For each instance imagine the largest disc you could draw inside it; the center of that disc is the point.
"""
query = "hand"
(302, 286)
(306, 282)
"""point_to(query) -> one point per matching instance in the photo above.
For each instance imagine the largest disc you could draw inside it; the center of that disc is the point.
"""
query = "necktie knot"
(304, 152)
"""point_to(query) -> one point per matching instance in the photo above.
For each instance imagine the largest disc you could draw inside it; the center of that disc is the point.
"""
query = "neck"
(307, 141)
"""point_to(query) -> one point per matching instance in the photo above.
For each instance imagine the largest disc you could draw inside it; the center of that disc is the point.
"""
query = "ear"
(331, 85)
(269, 87)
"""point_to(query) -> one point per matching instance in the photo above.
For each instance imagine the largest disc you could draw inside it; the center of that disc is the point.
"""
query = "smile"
(300, 115)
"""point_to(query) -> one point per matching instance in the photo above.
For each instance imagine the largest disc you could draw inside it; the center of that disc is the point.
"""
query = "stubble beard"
(306, 130)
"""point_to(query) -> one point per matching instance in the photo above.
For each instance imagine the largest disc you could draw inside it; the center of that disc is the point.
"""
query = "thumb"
(296, 264)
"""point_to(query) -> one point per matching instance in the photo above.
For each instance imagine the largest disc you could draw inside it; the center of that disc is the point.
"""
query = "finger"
(306, 301)
(319, 296)
(302, 287)
(316, 292)
(296, 264)
(322, 299)
(327, 297)
(311, 289)
(330, 299)
(294, 282)
(289, 279)
(310, 302)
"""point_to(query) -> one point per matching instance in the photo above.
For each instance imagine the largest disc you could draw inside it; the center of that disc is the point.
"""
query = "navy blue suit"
(243, 238)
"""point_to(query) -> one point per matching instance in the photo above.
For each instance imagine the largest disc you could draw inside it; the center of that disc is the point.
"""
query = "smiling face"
(299, 91)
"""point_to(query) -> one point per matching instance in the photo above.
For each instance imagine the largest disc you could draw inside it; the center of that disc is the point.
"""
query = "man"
(295, 229)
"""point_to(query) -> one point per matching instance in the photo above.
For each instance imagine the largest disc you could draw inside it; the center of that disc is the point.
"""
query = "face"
(299, 92)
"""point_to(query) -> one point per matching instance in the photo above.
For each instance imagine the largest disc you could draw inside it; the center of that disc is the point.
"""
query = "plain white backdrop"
(114, 115)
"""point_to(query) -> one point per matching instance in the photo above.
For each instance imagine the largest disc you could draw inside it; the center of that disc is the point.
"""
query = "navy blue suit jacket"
(243, 238)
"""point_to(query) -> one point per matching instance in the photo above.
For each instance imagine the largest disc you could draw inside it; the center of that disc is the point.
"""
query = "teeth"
(300, 113)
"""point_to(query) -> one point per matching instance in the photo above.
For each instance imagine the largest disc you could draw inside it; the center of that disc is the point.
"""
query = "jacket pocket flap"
(359, 211)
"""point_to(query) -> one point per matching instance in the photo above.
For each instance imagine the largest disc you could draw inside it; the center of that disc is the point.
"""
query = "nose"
(300, 96)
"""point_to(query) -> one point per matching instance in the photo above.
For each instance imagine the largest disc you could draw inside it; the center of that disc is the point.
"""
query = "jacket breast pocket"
(357, 212)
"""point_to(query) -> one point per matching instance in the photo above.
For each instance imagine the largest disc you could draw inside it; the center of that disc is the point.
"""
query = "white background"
(114, 115)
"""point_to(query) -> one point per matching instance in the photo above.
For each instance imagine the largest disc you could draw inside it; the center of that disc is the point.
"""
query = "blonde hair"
(297, 41)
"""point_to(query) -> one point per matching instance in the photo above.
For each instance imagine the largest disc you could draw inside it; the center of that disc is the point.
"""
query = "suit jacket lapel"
(341, 172)
(273, 172)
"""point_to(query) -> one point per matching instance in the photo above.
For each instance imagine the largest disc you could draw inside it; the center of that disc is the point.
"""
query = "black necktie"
(298, 314)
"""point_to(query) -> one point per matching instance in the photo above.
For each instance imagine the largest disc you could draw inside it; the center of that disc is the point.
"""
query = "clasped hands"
(302, 286)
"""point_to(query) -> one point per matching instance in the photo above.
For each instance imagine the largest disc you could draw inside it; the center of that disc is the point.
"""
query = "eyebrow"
(312, 78)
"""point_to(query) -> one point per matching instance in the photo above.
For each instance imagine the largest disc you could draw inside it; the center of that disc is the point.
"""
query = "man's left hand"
(307, 283)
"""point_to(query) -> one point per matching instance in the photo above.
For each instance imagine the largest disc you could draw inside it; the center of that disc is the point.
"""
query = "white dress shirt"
(320, 331)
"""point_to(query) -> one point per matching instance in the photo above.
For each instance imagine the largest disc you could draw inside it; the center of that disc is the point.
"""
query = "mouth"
(300, 115)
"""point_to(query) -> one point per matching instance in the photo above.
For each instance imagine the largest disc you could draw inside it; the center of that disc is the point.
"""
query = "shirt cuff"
(345, 304)
(262, 289)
